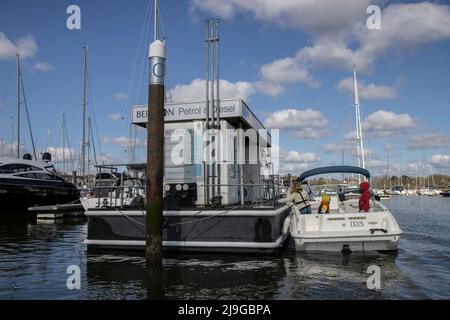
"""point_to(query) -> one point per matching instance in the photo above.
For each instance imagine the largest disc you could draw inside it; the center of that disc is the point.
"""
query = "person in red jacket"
(364, 199)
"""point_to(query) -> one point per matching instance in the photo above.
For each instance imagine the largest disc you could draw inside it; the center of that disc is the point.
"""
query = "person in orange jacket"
(364, 198)
(324, 204)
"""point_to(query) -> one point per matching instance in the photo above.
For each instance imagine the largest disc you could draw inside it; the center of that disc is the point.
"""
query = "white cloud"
(339, 148)
(295, 162)
(115, 117)
(7, 149)
(385, 123)
(315, 17)
(124, 141)
(407, 25)
(195, 91)
(25, 46)
(430, 141)
(367, 91)
(339, 36)
(58, 152)
(306, 124)
(296, 119)
(441, 161)
(332, 54)
(350, 136)
(404, 26)
(121, 96)
(287, 71)
(311, 133)
(43, 66)
(110, 159)
(348, 148)
(295, 156)
(269, 88)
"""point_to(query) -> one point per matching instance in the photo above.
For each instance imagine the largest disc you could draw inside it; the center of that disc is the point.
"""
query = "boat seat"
(334, 205)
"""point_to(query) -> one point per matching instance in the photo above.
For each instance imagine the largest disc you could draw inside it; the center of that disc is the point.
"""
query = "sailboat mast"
(18, 107)
(12, 136)
(359, 134)
(88, 145)
(83, 142)
(64, 143)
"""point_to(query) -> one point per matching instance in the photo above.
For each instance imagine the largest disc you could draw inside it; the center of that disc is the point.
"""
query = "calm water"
(34, 257)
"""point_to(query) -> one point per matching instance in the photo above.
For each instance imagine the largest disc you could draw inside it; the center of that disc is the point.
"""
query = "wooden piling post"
(155, 154)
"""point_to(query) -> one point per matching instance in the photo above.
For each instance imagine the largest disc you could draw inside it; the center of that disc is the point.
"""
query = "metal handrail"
(119, 191)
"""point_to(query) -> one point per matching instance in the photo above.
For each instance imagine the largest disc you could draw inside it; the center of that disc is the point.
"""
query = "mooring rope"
(179, 223)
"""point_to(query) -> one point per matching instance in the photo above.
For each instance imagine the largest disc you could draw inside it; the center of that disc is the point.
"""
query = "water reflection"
(289, 276)
(190, 276)
(35, 255)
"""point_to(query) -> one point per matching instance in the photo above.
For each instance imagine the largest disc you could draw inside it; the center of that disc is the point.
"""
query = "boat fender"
(286, 225)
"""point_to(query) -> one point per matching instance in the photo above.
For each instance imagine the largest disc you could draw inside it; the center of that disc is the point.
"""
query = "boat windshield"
(17, 167)
(319, 190)
(51, 169)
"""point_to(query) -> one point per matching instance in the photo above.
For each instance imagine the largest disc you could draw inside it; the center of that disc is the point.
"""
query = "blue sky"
(287, 59)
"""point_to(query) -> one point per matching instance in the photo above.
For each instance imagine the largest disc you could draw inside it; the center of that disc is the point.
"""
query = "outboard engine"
(46, 157)
(27, 156)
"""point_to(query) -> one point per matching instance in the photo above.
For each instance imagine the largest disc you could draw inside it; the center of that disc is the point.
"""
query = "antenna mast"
(155, 26)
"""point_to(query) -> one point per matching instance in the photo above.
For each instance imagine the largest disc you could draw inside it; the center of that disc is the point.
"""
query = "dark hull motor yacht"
(25, 183)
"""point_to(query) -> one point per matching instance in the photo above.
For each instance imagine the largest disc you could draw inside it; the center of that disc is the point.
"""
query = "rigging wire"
(70, 150)
(93, 143)
(58, 142)
(139, 56)
(92, 112)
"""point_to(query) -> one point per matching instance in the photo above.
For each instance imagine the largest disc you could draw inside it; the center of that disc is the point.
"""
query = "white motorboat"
(398, 191)
(344, 228)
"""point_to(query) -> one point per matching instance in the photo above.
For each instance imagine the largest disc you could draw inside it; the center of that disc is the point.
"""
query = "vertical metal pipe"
(219, 153)
(18, 107)
(207, 126)
(111, 191)
(122, 189)
(241, 146)
(213, 103)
